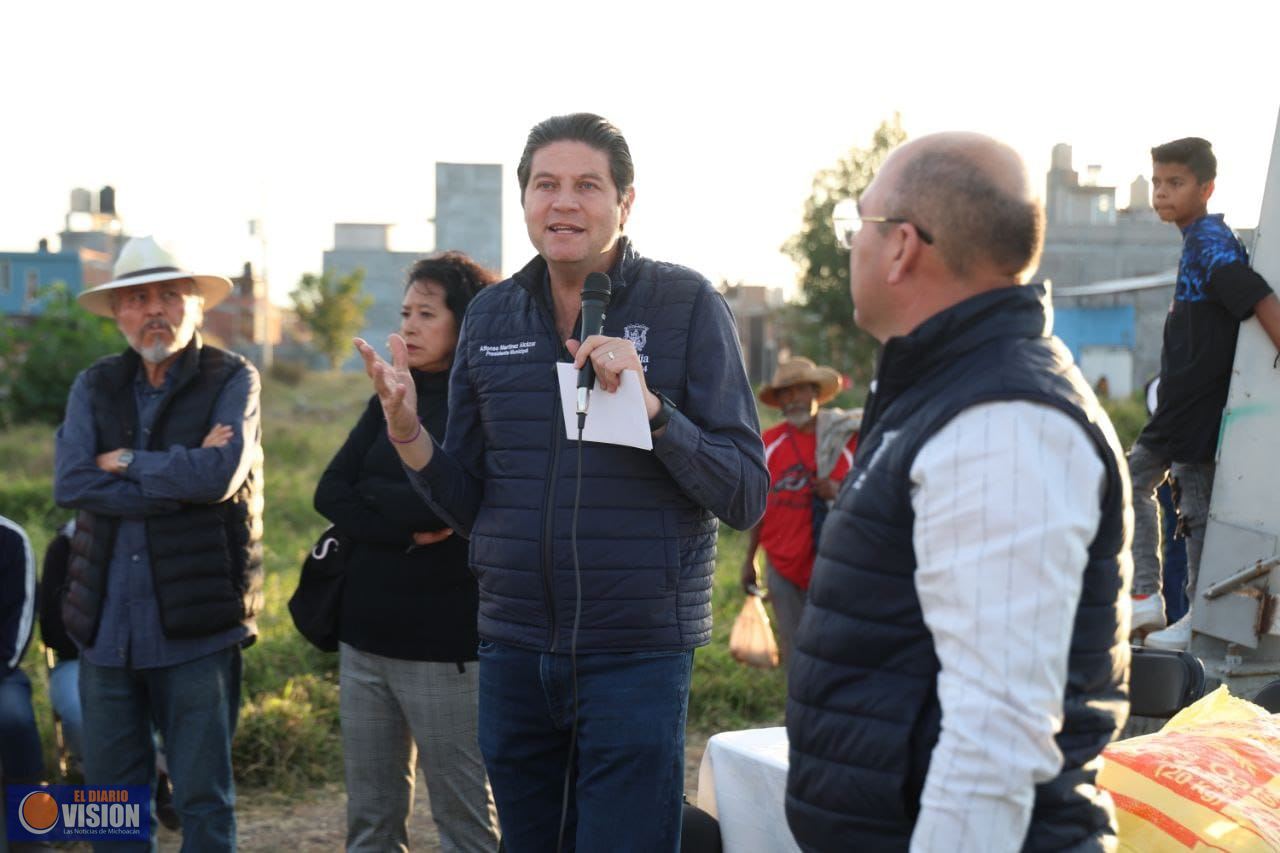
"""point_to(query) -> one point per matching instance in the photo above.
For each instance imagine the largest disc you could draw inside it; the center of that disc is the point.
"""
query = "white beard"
(157, 352)
(799, 420)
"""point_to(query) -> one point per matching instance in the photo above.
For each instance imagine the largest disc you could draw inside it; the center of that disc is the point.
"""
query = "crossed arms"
(157, 481)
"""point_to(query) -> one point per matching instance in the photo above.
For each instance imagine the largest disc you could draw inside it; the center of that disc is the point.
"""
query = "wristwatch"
(659, 420)
(124, 460)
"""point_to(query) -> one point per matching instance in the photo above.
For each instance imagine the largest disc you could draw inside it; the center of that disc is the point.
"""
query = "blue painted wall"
(21, 272)
(1088, 327)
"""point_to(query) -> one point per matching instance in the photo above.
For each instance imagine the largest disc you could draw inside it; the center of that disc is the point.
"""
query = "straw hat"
(142, 261)
(801, 371)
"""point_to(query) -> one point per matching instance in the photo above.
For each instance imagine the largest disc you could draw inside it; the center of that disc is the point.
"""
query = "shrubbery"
(288, 739)
(290, 373)
(1128, 416)
(39, 361)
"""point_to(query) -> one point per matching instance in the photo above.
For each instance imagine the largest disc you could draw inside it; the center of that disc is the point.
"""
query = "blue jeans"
(628, 779)
(195, 706)
(1173, 570)
(21, 759)
(64, 696)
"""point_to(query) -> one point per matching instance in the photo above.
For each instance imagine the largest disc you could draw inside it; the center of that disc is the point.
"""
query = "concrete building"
(1115, 329)
(754, 309)
(95, 232)
(468, 218)
(364, 246)
(469, 210)
(246, 321)
(24, 274)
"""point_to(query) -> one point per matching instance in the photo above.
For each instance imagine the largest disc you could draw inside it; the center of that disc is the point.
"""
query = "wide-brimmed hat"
(142, 261)
(801, 371)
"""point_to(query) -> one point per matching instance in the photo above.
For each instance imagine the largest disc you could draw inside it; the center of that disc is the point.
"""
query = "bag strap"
(795, 445)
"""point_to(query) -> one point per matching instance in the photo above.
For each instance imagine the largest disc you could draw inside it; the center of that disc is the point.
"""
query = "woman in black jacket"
(408, 621)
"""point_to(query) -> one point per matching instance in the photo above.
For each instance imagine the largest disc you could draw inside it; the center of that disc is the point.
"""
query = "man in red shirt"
(808, 454)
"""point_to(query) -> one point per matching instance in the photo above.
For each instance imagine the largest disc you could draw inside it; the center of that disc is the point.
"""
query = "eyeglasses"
(847, 220)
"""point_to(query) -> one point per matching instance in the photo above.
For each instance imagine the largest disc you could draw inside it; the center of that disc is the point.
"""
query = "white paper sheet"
(617, 418)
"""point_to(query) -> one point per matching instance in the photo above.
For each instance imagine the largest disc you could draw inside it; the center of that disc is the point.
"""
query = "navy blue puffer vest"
(863, 714)
(206, 559)
(646, 546)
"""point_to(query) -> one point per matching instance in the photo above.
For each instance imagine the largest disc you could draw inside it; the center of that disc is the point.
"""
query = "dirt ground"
(317, 822)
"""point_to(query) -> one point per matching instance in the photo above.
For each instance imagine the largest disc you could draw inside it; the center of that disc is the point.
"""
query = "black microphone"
(596, 291)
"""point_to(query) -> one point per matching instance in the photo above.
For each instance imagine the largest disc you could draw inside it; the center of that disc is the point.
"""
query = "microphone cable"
(597, 290)
(573, 636)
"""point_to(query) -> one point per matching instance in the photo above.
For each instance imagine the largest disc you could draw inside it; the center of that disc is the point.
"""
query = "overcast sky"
(205, 116)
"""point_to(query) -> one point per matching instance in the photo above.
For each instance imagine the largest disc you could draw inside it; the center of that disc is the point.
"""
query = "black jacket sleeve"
(53, 578)
(371, 506)
(17, 594)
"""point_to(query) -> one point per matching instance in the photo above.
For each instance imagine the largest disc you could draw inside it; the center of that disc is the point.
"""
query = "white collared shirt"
(1007, 501)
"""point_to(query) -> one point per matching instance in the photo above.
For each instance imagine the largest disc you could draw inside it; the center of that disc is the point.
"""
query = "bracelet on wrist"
(410, 440)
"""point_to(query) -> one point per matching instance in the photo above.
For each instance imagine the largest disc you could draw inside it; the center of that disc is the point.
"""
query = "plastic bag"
(1216, 707)
(751, 640)
(1208, 780)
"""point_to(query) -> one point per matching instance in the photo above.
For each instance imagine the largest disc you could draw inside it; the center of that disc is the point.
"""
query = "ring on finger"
(611, 356)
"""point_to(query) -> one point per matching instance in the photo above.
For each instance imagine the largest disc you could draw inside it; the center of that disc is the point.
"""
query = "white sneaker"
(1148, 613)
(1174, 638)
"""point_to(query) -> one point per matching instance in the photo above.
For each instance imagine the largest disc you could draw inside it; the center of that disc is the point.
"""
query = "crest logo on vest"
(638, 334)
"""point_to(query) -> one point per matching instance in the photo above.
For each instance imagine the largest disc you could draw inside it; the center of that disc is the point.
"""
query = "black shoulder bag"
(317, 602)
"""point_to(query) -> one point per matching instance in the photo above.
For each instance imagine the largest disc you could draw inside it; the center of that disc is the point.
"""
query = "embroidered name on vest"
(501, 350)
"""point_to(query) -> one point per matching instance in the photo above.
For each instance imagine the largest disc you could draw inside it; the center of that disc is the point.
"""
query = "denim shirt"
(129, 633)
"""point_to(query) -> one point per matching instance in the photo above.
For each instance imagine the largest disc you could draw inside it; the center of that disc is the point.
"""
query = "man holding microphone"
(595, 561)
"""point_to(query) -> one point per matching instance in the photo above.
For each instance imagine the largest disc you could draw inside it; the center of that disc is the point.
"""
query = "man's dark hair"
(589, 128)
(972, 217)
(1191, 151)
(461, 278)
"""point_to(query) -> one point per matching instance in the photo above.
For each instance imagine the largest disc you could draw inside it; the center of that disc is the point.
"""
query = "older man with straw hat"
(160, 454)
(807, 454)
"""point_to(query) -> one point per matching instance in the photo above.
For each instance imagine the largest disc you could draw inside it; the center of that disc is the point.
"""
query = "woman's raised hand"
(394, 386)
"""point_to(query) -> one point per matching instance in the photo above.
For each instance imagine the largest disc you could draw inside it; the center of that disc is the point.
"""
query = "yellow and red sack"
(1208, 780)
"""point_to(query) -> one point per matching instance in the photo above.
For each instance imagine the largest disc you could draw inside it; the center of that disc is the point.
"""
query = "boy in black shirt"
(1216, 290)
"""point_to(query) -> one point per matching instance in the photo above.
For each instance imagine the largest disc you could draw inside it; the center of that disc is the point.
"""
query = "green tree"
(333, 309)
(822, 326)
(39, 361)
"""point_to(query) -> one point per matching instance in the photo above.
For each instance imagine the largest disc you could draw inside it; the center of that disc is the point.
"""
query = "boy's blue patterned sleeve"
(1218, 251)
(1209, 245)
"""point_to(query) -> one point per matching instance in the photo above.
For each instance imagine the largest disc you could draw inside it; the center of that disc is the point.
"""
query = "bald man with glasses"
(960, 662)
